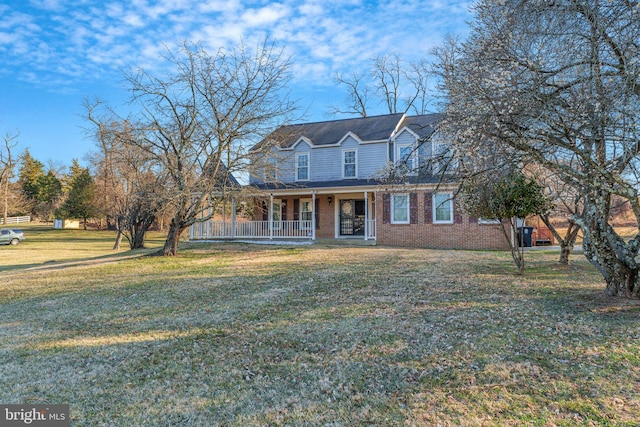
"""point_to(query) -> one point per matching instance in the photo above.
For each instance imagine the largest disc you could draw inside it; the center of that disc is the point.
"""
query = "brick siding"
(464, 233)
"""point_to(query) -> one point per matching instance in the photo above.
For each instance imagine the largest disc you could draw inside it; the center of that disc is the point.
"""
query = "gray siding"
(326, 163)
(371, 159)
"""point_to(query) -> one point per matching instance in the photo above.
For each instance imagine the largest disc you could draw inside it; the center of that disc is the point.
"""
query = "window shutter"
(317, 209)
(457, 213)
(413, 208)
(428, 208)
(265, 211)
(284, 210)
(386, 208)
(296, 209)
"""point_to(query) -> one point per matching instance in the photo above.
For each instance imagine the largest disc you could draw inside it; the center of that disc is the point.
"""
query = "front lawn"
(248, 335)
(47, 246)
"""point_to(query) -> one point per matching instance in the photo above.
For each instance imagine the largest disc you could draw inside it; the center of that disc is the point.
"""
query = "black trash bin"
(525, 236)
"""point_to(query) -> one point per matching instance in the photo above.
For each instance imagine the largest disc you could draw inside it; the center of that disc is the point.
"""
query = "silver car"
(11, 236)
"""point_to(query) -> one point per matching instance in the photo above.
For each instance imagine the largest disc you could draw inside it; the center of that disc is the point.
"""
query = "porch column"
(375, 204)
(207, 225)
(313, 215)
(366, 215)
(271, 216)
(233, 217)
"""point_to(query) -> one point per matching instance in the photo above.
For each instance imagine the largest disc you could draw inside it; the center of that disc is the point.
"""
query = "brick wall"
(464, 233)
(326, 217)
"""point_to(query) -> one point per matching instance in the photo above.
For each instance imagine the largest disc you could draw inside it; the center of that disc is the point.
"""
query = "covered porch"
(299, 214)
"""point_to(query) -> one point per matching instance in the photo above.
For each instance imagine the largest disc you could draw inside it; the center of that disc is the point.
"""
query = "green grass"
(46, 246)
(248, 335)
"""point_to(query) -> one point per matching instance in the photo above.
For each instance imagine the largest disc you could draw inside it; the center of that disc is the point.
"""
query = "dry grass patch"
(236, 334)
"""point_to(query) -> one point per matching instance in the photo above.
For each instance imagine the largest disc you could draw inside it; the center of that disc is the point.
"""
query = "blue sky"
(55, 53)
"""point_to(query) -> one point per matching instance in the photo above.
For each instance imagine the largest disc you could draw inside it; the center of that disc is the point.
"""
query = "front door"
(352, 217)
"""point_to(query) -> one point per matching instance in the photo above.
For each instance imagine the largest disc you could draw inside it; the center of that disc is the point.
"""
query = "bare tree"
(399, 86)
(387, 74)
(132, 186)
(559, 83)
(7, 164)
(419, 76)
(199, 122)
(566, 205)
(358, 95)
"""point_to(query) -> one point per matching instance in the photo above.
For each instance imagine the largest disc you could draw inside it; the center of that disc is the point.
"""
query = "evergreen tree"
(49, 193)
(31, 170)
(80, 202)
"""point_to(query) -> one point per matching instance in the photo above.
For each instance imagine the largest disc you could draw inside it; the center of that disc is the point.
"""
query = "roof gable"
(420, 126)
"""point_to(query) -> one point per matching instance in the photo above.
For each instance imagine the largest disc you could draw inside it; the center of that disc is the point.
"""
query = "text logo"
(34, 415)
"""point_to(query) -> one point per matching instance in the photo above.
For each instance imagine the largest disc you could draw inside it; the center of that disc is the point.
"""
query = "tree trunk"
(5, 213)
(137, 237)
(137, 242)
(567, 241)
(116, 245)
(609, 253)
(622, 277)
(517, 250)
(565, 252)
(173, 237)
(118, 227)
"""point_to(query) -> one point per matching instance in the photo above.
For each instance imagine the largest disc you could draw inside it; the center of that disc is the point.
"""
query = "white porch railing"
(260, 230)
(251, 230)
(16, 220)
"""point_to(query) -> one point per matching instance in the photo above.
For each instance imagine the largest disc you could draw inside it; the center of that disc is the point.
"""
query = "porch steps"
(346, 242)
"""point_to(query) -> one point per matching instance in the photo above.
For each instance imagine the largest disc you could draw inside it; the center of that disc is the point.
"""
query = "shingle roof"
(374, 128)
(423, 124)
(344, 183)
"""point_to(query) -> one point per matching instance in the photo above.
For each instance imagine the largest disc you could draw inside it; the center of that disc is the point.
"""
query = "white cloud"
(264, 16)
(311, 8)
(59, 38)
(225, 6)
(133, 20)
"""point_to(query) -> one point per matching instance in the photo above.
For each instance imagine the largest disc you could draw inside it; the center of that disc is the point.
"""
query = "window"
(349, 162)
(443, 160)
(406, 154)
(306, 212)
(302, 167)
(276, 215)
(400, 209)
(442, 208)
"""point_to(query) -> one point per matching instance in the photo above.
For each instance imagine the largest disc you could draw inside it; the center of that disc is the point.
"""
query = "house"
(330, 180)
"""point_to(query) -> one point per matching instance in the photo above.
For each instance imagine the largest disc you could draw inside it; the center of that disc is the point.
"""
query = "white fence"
(16, 220)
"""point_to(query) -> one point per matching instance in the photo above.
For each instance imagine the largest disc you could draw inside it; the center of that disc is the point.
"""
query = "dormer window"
(407, 156)
(443, 160)
(349, 164)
